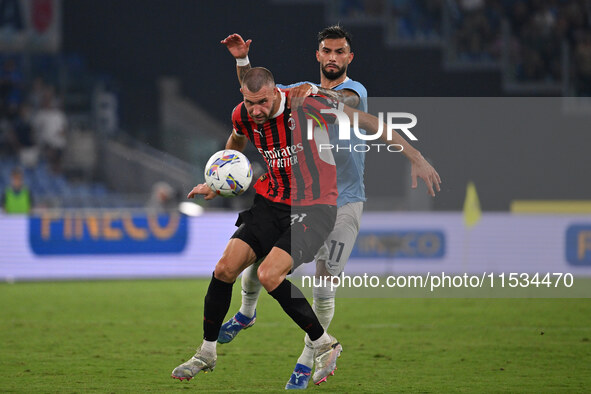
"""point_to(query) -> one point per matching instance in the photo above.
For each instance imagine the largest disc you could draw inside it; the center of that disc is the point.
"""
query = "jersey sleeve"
(237, 124)
(359, 89)
(356, 87)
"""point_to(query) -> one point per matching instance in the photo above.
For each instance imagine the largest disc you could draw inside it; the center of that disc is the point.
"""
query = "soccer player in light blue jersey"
(334, 55)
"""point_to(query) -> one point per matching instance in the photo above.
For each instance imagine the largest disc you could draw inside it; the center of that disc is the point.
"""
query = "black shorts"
(300, 231)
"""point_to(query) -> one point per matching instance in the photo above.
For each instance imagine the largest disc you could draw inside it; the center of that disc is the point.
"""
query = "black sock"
(217, 303)
(297, 307)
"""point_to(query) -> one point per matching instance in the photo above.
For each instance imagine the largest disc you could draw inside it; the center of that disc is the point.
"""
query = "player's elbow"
(236, 143)
(352, 100)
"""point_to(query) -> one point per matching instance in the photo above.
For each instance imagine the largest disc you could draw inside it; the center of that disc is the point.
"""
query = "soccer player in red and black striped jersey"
(334, 55)
(293, 212)
(298, 175)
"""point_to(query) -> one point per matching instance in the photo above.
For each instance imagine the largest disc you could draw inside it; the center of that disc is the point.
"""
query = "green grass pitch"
(127, 336)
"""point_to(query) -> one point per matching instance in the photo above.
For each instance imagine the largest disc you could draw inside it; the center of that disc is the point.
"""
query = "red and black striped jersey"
(296, 173)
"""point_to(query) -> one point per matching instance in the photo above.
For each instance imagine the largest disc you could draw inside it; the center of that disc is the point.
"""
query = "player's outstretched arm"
(202, 190)
(346, 96)
(298, 94)
(420, 167)
(239, 49)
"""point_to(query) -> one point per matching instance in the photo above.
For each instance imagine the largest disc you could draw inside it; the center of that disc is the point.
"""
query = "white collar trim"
(345, 80)
(281, 105)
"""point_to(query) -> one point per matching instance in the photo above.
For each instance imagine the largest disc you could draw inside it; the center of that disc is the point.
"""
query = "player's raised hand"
(297, 95)
(202, 190)
(236, 45)
(422, 169)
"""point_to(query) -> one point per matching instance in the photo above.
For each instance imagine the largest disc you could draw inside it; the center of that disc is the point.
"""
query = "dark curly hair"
(335, 31)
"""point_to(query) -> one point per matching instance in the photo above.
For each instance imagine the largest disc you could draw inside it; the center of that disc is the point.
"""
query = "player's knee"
(269, 279)
(226, 271)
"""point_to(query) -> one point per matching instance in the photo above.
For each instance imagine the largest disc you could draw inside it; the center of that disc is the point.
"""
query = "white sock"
(324, 309)
(323, 306)
(251, 288)
(209, 346)
(325, 338)
(307, 356)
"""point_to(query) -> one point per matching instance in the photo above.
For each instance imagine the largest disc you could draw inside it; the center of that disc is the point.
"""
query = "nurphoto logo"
(345, 126)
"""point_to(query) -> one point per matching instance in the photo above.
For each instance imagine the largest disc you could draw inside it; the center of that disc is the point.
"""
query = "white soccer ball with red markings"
(228, 173)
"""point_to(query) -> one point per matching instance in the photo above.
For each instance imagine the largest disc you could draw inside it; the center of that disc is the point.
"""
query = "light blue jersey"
(350, 164)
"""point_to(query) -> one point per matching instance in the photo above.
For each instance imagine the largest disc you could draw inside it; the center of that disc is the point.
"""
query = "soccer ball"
(228, 173)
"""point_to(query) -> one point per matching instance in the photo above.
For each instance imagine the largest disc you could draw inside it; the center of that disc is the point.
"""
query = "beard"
(332, 75)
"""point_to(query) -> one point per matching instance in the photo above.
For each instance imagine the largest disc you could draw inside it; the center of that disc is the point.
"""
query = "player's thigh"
(236, 257)
(334, 254)
(263, 225)
(274, 268)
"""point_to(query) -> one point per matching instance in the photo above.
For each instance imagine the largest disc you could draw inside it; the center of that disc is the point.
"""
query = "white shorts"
(338, 246)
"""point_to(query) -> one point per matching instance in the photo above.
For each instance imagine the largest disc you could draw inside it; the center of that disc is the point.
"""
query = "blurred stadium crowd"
(35, 130)
(537, 31)
(52, 133)
(532, 34)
